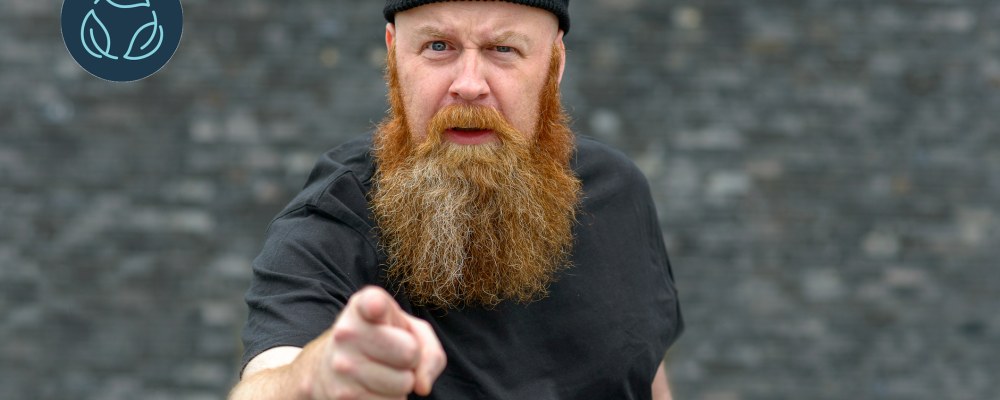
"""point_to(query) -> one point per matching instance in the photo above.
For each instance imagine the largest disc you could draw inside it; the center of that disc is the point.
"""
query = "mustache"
(472, 116)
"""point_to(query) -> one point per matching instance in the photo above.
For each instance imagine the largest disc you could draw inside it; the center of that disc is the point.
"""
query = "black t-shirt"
(600, 334)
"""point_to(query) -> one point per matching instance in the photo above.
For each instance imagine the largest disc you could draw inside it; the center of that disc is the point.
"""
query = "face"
(467, 217)
(488, 53)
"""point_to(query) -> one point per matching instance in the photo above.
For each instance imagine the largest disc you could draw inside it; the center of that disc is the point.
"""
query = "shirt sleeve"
(671, 307)
(310, 265)
(620, 227)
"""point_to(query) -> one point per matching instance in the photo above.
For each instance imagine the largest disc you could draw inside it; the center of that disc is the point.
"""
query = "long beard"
(475, 224)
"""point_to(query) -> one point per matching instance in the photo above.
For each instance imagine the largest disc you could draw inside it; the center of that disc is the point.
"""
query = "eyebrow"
(506, 36)
(432, 32)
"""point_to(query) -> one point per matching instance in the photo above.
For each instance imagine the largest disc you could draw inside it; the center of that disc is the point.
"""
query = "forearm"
(275, 383)
(661, 386)
(279, 373)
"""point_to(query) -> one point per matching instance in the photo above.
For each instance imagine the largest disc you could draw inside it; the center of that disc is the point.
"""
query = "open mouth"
(469, 135)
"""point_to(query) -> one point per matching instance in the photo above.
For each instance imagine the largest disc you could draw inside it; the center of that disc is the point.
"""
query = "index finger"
(376, 306)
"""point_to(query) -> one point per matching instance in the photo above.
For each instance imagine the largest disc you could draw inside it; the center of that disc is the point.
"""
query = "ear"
(562, 54)
(390, 34)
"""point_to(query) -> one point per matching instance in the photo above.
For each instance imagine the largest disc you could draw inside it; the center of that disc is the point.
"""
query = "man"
(520, 261)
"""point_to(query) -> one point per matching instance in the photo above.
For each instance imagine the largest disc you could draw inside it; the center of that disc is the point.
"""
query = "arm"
(661, 388)
(269, 375)
(373, 350)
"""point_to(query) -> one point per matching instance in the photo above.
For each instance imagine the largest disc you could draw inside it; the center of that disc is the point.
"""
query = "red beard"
(475, 224)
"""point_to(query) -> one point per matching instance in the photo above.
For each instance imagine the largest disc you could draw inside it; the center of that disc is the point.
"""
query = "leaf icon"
(127, 4)
(153, 27)
(93, 43)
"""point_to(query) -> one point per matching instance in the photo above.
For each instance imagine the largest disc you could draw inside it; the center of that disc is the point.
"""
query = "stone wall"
(827, 175)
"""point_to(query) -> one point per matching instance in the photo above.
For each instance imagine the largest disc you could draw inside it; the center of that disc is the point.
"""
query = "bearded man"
(520, 261)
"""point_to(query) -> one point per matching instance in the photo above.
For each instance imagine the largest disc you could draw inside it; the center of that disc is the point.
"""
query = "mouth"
(469, 135)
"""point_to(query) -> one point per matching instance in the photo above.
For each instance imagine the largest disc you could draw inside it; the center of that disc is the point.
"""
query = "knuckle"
(409, 350)
(399, 384)
(437, 362)
(408, 381)
(423, 324)
(343, 365)
(344, 332)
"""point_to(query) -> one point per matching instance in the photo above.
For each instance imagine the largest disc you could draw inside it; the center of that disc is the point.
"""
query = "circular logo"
(122, 40)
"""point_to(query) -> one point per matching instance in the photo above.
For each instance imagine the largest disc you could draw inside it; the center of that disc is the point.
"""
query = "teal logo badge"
(122, 40)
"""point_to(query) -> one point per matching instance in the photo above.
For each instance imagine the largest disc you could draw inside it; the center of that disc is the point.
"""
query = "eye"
(504, 49)
(438, 46)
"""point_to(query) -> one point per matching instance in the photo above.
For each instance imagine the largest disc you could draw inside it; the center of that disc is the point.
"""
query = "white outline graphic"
(97, 51)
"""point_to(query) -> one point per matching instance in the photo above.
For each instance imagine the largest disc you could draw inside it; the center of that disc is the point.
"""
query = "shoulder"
(588, 146)
(353, 156)
(605, 170)
(339, 183)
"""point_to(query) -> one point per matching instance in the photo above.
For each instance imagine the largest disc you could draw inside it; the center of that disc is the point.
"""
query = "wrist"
(304, 371)
(301, 376)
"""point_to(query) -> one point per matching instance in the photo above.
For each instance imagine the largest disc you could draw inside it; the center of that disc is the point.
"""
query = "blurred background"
(827, 175)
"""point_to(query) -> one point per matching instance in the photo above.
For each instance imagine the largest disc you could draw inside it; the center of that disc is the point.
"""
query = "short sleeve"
(310, 265)
(317, 252)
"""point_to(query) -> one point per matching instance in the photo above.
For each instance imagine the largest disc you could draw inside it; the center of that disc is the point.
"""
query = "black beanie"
(558, 7)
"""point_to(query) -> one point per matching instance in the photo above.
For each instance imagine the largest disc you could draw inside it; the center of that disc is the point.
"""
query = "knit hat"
(558, 7)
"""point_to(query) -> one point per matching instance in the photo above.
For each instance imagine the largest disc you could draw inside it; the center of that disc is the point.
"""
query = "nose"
(470, 84)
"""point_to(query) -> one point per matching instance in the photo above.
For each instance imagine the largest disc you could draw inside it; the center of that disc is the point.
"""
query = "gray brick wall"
(827, 175)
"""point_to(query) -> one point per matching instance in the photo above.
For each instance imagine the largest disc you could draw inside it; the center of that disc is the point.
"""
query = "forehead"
(476, 19)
